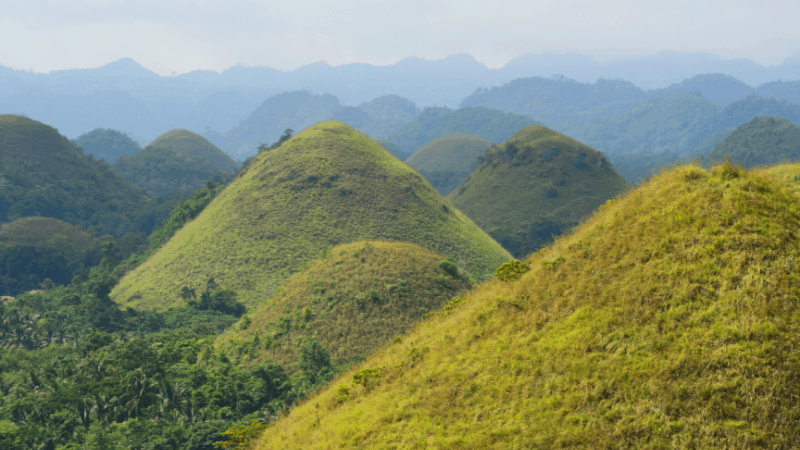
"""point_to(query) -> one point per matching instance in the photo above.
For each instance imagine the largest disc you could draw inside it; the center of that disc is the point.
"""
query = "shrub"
(512, 270)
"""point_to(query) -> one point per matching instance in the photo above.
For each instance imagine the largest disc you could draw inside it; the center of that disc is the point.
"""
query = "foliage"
(535, 186)
(654, 330)
(326, 185)
(761, 141)
(512, 270)
(159, 170)
(241, 436)
(106, 144)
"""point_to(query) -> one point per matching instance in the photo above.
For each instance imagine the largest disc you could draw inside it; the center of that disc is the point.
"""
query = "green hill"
(537, 184)
(761, 141)
(393, 149)
(106, 144)
(639, 330)
(353, 300)
(33, 249)
(184, 142)
(325, 186)
(43, 174)
(447, 160)
(158, 170)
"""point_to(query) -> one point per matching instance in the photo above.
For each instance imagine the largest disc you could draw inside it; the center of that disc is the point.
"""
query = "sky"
(171, 37)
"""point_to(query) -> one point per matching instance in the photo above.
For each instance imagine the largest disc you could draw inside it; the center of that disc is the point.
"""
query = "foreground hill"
(761, 141)
(447, 160)
(107, 144)
(640, 330)
(42, 173)
(353, 300)
(325, 186)
(535, 185)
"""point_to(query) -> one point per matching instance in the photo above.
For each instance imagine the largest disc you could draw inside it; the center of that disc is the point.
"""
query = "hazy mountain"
(107, 144)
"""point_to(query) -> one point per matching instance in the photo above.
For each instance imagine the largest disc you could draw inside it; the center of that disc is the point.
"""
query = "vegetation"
(159, 171)
(44, 174)
(639, 330)
(352, 301)
(106, 144)
(393, 149)
(761, 141)
(535, 186)
(327, 185)
(447, 160)
(186, 143)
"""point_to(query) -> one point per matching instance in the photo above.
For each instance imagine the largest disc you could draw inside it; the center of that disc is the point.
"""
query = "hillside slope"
(640, 330)
(761, 141)
(447, 160)
(325, 186)
(351, 301)
(537, 184)
(184, 142)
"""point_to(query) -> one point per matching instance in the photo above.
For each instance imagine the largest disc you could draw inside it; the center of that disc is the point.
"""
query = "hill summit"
(537, 184)
(326, 186)
(447, 160)
(761, 141)
(639, 330)
(187, 143)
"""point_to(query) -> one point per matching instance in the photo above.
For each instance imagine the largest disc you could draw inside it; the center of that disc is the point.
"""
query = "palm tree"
(140, 392)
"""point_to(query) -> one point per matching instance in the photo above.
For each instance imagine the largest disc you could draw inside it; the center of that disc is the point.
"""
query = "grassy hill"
(537, 184)
(106, 144)
(43, 174)
(326, 186)
(447, 160)
(185, 142)
(159, 170)
(761, 141)
(639, 330)
(353, 300)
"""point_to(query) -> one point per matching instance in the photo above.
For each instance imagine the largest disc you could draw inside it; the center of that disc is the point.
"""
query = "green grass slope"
(447, 160)
(353, 300)
(670, 319)
(185, 142)
(537, 184)
(761, 141)
(325, 186)
(43, 174)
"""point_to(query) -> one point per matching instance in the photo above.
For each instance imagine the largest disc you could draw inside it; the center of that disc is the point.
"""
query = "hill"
(639, 330)
(761, 141)
(43, 174)
(33, 249)
(719, 88)
(184, 142)
(393, 149)
(353, 300)
(537, 184)
(325, 186)
(106, 144)
(447, 160)
(431, 123)
(160, 170)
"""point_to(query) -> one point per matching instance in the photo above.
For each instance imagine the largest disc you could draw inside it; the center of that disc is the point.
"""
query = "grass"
(326, 186)
(355, 299)
(187, 143)
(669, 319)
(447, 160)
(536, 185)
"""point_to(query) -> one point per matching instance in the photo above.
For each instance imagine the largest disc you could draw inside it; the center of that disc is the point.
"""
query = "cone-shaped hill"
(185, 142)
(326, 186)
(447, 160)
(43, 173)
(355, 299)
(669, 319)
(761, 141)
(537, 184)
(107, 144)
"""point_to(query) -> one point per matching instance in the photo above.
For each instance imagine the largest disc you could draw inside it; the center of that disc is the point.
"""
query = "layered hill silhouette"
(107, 144)
(639, 330)
(187, 143)
(761, 141)
(352, 301)
(534, 186)
(42, 173)
(447, 160)
(326, 186)
(393, 149)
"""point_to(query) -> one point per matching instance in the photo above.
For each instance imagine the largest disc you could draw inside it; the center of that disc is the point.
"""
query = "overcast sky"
(173, 36)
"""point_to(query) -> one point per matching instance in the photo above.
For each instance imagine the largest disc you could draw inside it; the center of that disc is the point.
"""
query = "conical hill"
(326, 186)
(447, 160)
(43, 174)
(358, 297)
(669, 319)
(185, 142)
(759, 142)
(536, 185)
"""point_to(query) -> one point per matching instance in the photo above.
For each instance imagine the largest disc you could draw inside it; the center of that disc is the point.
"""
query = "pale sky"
(175, 36)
